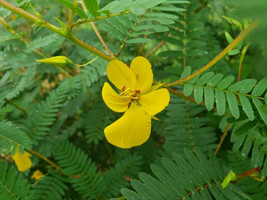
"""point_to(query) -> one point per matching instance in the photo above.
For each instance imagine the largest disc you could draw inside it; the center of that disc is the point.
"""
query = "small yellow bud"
(37, 175)
(61, 61)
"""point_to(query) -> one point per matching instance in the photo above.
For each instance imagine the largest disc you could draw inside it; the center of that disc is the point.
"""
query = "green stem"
(16, 106)
(238, 39)
(55, 29)
(82, 21)
(68, 27)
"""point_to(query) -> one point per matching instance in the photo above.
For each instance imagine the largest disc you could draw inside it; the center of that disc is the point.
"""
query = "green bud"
(61, 61)
(231, 176)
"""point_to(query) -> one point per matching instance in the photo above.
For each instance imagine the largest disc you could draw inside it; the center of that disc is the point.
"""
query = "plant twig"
(155, 49)
(17, 106)
(55, 29)
(83, 21)
(238, 39)
(241, 59)
(45, 159)
(100, 38)
(69, 24)
(97, 32)
(222, 138)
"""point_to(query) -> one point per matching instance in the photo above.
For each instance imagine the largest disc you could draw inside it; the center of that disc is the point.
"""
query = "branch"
(83, 21)
(96, 31)
(155, 49)
(222, 138)
(238, 39)
(55, 29)
(45, 159)
(69, 25)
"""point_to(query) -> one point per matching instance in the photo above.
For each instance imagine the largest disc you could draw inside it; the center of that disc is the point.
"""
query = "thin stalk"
(222, 138)
(55, 29)
(155, 49)
(69, 24)
(16, 106)
(97, 32)
(100, 38)
(45, 159)
(83, 21)
(238, 39)
(241, 59)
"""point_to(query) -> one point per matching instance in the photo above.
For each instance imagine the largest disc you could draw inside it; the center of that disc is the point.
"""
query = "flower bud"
(61, 61)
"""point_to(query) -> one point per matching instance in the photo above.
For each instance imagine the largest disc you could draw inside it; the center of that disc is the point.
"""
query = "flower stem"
(238, 39)
(55, 29)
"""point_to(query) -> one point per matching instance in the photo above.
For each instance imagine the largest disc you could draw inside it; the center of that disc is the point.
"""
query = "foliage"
(218, 98)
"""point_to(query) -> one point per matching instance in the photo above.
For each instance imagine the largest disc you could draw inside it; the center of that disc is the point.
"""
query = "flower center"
(130, 92)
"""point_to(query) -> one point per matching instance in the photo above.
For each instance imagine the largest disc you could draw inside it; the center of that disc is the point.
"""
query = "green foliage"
(50, 187)
(148, 17)
(116, 177)
(11, 138)
(251, 141)
(185, 127)
(58, 114)
(81, 169)
(191, 178)
(13, 185)
(37, 125)
(214, 88)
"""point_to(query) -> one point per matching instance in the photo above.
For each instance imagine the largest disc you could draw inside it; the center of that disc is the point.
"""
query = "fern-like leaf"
(49, 187)
(213, 88)
(82, 171)
(12, 136)
(252, 141)
(116, 177)
(148, 17)
(13, 186)
(37, 125)
(185, 129)
(191, 178)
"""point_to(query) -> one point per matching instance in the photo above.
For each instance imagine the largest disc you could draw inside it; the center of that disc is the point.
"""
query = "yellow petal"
(114, 101)
(120, 75)
(143, 72)
(22, 161)
(155, 101)
(132, 129)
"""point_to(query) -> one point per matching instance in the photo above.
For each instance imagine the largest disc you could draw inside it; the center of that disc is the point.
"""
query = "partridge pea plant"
(133, 99)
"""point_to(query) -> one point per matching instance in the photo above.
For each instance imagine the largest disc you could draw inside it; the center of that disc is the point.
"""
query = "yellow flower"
(22, 161)
(137, 98)
(37, 175)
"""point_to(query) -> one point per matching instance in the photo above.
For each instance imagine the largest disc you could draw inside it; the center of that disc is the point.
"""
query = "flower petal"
(114, 101)
(22, 161)
(155, 101)
(120, 75)
(132, 129)
(143, 72)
